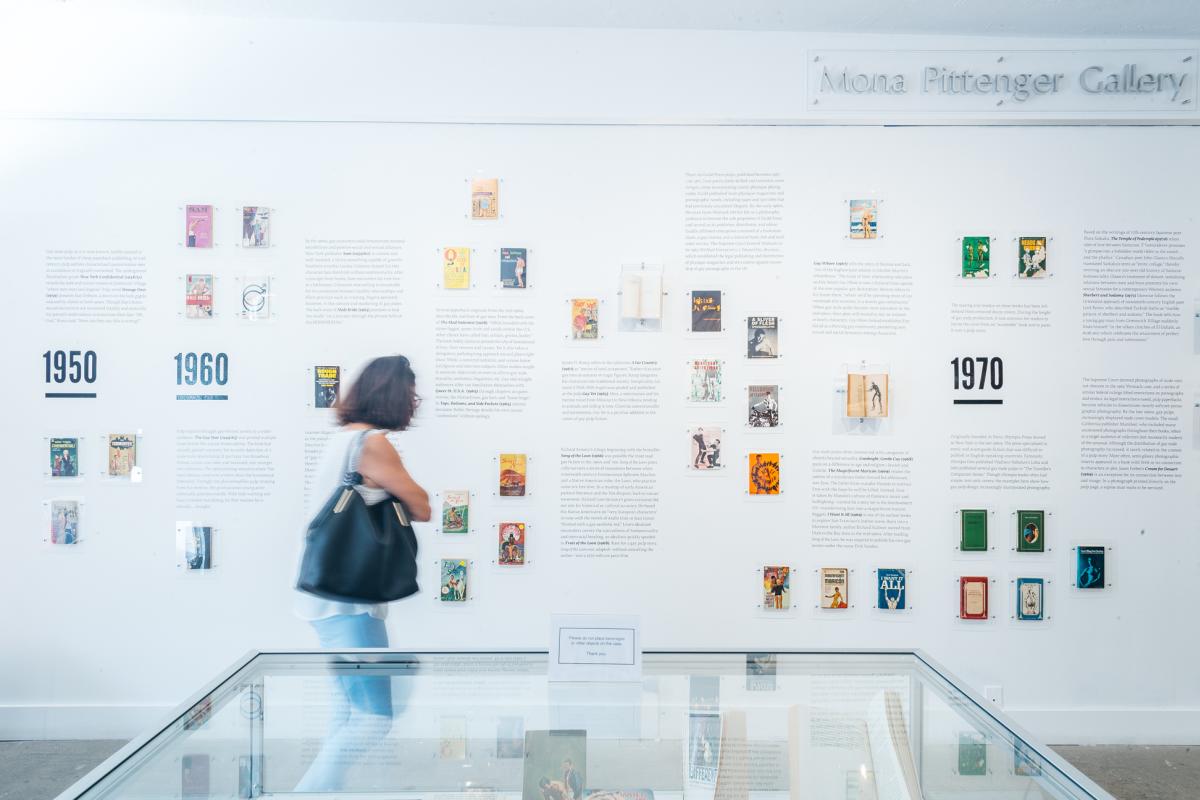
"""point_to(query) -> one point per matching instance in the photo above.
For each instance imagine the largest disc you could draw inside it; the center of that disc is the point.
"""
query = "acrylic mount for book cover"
(1089, 567)
(864, 219)
(456, 506)
(1031, 257)
(764, 473)
(706, 311)
(705, 380)
(485, 198)
(256, 297)
(835, 587)
(1031, 531)
(585, 318)
(327, 382)
(64, 522)
(198, 222)
(893, 589)
(705, 448)
(973, 530)
(641, 298)
(762, 401)
(456, 268)
(973, 597)
(555, 765)
(64, 457)
(976, 256)
(256, 226)
(866, 395)
(193, 543)
(454, 580)
(512, 544)
(122, 454)
(762, 337)
(513, 474)
(777, 588)
(1030, 599)
(514, 267)
(198, 299)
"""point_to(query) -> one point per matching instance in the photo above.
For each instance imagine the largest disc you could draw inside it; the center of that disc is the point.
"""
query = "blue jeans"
(361, 710)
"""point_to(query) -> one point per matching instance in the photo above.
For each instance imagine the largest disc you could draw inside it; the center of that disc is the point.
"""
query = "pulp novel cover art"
(706, 312)
(705, 446)
(510, 737)
(1030, 592)
(199, 221)
(513, 474)
(195, 546)
(1031, 531)
(864, 219)
(762, 337)
(973, 597)
(1031, 257)
(762, 402)
(256, 226)
(777, 588)
(1089, 567)
(893, 589)
(976, 256)
(972, 754)
(514, 267)
(585, 318)
(327, 382)
(512, 544)
(866, 395)
(64, 521)
(454, 580)
(485, 198)
(973, 530)
(555, 765)
(122, 454)
(456, 268)
(455, 511)
(760, 672)
(199, 296)
(764, 473)
(64, 457)
(256, 297)
(704, 747)
(706, 381)
(835, 587)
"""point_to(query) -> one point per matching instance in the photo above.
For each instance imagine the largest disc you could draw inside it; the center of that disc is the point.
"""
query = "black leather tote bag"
(359, 553)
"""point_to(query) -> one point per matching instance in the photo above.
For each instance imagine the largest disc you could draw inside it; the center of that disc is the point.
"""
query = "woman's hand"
(380, 466)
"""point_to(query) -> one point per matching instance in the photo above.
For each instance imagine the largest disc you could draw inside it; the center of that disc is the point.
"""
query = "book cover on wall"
(456, 268)
(835, 587)
(893, 589)
(513, 474)
(64, 457)
(705, 381)
(585, 318)
(864, 219)
(485, 198)
(510, 737)
(972, 754)
(704, 748)
(762, 401)
(1031, 257)
(256, 226)
(641, 296)
(456, 506)
(555, 765)
(866, 395)
(706, 312)
(760, 672)
(198, 301)
(1089, 567)
(64, 522)
(453, 580)
(1030, 594)
(453, 743)
(256, 297)
(122, 454)
(1025, 762)
(976, 256)
(764, 477)
(194, 546)
(327, 382)
(762, 337)
(512, 544)
(514, 267)
(198, 222)
(704, 693)
(777, 588)
(973, 597)
(1031, 531)
(973, 529)
(705, 446)
(194, 772)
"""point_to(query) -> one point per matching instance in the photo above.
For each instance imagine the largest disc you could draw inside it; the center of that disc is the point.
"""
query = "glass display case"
(864, 725)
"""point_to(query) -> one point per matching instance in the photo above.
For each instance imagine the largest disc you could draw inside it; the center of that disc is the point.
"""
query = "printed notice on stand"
(595, 647)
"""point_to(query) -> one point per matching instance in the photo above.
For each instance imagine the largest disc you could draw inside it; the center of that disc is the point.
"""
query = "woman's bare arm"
(380, 465)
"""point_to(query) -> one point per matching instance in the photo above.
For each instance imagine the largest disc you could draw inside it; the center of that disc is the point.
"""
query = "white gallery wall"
(1101, 358)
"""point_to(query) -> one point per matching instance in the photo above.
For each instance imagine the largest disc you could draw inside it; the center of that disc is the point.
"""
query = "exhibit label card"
(595, 647)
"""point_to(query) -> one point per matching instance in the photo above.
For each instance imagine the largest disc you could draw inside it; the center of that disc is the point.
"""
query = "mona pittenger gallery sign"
(1004, 81)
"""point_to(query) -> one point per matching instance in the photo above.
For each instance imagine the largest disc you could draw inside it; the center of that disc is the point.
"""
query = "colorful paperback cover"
(705, 445)
(514, 267)
(866, 395)
(764, 473)
(893, 589)
(1030, 592)
(199, 296)
(1031, 531)
(256, 226)
(585, 318)
(1031, 257)
(456, 268)
(973, 530)
(199, 221)
(777, 588)
(760, 672)
(510, 737)
(706, 381)
(835, 587)
(122, 454)
(454, 580)
(327, 381)
(762, 337)
(64, 521)
(256, 297)
(64, 457)
(864, 219)
(976, 256)
(456, 505)
(1089, 567)
(972, 754)
(706, 311)
(555, 765)
(513, 474)
(973, 597)
(762, 402)
(704, 748)
(512, 544)
(195, 546)
(485, 198)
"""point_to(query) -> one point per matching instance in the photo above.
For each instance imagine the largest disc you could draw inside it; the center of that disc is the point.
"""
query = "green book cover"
(972, 754)
(1031, 531)
(973, 534)
(976, 256)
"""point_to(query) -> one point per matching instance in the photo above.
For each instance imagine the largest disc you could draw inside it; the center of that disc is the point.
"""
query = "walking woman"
(382, 400)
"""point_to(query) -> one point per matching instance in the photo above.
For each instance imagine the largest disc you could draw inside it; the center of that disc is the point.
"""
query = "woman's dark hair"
(383, 396)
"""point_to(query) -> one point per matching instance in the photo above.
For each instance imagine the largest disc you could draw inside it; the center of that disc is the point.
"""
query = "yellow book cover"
(456, 268)
(512, 474)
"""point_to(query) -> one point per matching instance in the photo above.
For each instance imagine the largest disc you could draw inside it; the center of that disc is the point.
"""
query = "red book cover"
(973, 597)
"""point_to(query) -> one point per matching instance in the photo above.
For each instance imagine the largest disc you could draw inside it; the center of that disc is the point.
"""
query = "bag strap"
(350, 474)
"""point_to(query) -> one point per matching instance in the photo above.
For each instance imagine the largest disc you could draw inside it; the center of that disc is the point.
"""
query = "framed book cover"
(198, 224)
(485, 198)
(834, 588)
(256, 297)
(891, 589)
(122, 454)
(585, 318)
(64, 521)
(864, 219)
(198, 296)
(777, 588)
(1031, 599)
(453, 584)
(1031, 257)
(456, 268)
(456, 508)
(705, 381)
(762, 405)
(64, 457)
(327, 383)
(706, 311)
(514, 267)
(256, 226)
(514, 473)
(866, 395)
(511, 537)
(704, 444)
(555, 765)
(764, 474)
(973, 530)
(976, 256)
(194, 546)
(762, 337)
(1031, 531)
(973, 597)
(1090, 567)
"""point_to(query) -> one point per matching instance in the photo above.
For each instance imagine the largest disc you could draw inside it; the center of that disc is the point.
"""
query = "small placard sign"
(595, 647)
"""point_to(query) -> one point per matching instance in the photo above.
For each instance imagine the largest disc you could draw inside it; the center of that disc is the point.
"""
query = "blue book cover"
(1089, 567)
(514, 270)
(893, 589)
(1030, 596)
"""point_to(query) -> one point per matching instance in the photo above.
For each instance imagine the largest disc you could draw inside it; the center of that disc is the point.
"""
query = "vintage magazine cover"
(706, 381)
(256, 226)
(705, 448)
(1031, 257)
(327, 382)
(64, 457)
(706, 311)
(1029, 599)
(456, 268)
(777, 588)
(976, 256)
(198, 221)
(485, 198)
(1089, 567)
(866, 395)
(64, 522)
(512, 544)
(585, 318)
(893, 589)
(513, 474)
(762, 337)
(764, 477)
(514, 267)
(835, 587)
(122, 454)
(1031, 531)
(455, 511)
(454, 580)
(199, 296)
(555, 765)
(194, 546)
(973, 597)
(762, 401)
(256, 297)
(864, 219)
